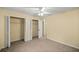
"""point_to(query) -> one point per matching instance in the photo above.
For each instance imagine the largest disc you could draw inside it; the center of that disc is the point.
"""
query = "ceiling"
(36, 10)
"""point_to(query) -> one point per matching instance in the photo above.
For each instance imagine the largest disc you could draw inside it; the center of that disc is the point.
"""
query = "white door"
(28, 30)
(7, 36)
(40, 29)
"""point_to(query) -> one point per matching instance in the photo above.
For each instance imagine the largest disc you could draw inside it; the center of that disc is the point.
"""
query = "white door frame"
(7, 32)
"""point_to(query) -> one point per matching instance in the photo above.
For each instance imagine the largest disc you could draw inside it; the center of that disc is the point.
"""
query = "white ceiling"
(36, 10)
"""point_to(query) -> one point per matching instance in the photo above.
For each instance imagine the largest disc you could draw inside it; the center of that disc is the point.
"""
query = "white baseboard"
(63, 43)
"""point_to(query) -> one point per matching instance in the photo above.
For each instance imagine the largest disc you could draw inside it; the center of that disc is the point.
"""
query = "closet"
(16, 29)
(35, 28)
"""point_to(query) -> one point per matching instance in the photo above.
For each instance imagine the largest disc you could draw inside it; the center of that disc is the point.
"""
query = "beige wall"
(3, 13)
(64, 27)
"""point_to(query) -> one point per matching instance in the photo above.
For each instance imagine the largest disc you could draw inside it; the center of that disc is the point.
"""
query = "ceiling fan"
(43, 12)
(40, 11)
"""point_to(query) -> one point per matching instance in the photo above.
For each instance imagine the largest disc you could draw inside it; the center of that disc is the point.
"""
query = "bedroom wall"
(63, 27)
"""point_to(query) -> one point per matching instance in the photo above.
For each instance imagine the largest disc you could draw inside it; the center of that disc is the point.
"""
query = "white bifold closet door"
(7, 32)
(40, 28)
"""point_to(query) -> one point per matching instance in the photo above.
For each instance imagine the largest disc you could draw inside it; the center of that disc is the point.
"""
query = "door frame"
(40, 28)
(7, 41)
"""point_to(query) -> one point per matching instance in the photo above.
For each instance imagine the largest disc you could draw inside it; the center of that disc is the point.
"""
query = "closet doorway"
(15, 28)
(34, 28)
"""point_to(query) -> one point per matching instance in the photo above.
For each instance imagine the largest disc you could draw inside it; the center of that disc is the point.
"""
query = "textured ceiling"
(36, 10)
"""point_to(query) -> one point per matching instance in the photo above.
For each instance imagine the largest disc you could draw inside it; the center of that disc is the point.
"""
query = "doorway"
(34, 28)
(15, 28)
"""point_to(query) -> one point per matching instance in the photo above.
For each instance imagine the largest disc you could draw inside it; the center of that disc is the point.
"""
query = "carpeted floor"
(39, 45)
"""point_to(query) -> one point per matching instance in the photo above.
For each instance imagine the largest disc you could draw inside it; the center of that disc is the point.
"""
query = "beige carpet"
(39, 45)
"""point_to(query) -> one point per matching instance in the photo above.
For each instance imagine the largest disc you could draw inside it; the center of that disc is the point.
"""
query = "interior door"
(7, 33)
(40, 29)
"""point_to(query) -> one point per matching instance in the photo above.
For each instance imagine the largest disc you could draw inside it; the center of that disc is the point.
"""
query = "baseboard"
(35, 37)
(2, 48)
(43, 37)
(63, 43)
